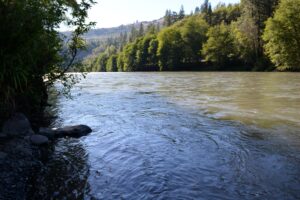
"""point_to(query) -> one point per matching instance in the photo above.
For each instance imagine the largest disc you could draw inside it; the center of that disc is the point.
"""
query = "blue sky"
(111, 13)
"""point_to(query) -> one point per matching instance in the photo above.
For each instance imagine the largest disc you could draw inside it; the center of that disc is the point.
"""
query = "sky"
(111, 13)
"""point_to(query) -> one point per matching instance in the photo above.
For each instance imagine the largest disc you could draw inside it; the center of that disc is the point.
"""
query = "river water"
(178, 136)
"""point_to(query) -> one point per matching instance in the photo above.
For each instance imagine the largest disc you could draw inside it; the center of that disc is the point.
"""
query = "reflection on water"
(181, 136)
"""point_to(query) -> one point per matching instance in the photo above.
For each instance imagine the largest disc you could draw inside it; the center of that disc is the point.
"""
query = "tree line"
(253, 35)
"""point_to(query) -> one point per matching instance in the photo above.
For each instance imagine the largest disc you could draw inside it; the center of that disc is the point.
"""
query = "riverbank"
(23, 153)
(19, 161)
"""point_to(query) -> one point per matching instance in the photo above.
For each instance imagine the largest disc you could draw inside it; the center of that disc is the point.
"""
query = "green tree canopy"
(282, 36)
(129, 57)
(170, 49)
(111, 65)
(220, 48)
(193, 32)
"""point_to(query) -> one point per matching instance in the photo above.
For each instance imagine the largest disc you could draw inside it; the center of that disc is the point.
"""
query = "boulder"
(48, 132)
(39, 140)
(73, 131)
(17, 125)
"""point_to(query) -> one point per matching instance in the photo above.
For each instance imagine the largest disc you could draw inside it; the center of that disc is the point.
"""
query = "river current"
(184, 135)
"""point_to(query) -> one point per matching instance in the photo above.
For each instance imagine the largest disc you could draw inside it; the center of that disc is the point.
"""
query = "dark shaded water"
(179, 136)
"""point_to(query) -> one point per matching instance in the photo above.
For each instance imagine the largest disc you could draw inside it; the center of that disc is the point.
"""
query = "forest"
(253, 35)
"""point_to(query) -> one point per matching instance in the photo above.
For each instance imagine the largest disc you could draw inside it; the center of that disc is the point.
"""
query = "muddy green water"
(178, 136)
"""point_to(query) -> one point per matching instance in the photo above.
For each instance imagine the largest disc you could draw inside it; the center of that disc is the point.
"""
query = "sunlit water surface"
(179, 136)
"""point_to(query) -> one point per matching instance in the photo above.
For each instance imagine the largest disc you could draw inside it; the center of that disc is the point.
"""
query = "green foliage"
(170, 49)
(206, 11)
(31, 49)
(229, 37)
(101, 62)
(282, 36)
(152, 51)
(172, 17)
(245, 38)
(120, 62)
(220, 47)
(141, 30)
(111, 65)
(193, 33)
(129, 57)
(226, 14)
(250, 27)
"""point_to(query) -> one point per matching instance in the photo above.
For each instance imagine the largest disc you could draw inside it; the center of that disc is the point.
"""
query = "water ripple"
(186, 136)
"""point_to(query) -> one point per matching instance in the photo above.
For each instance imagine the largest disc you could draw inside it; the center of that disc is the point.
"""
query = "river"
(187, 135)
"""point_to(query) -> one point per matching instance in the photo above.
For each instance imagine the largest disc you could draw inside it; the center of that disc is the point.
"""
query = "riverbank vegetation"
(33, 53)
(250, 36)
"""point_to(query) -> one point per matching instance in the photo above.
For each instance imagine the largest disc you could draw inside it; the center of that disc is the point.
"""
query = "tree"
(206, 10)
(181, 14)
(251, 25)
(168, 18)
(151, 29)
(170, 49)
(282, 36)
(134, 33)
(193, 33)
(220, 47)
(172, 17)
(111, 65)
(101, 62)
(226, 14)
(141, 30)
(120, 62)
(31, 48)
(197, 10)
(152, 52)
(129, 55)
(142, 52)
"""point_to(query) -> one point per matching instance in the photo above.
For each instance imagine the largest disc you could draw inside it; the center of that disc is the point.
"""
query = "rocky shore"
(23, 153)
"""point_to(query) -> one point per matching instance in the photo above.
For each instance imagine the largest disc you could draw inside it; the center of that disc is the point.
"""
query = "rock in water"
(48, 132)
(73, 131)
(17, 125)
(39, 139)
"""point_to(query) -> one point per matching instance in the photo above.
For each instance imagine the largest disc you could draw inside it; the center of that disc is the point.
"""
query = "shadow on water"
(145, 146)
(65, 174)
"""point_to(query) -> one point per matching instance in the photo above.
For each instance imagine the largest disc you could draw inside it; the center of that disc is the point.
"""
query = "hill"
(98, 39)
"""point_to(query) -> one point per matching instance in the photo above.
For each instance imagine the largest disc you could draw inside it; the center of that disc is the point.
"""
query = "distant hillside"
(97, 37)
(104, 33)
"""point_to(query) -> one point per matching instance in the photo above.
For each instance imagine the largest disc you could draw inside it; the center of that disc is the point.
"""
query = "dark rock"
(30, 132)
(18, 163)
(3, 155)
(48, 132)
(39, 139)
(27, 138)
(73, 131)
(3, 136)
(17, 125)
